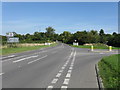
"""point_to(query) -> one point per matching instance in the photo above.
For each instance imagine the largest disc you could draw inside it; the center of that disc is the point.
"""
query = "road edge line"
(99, 80)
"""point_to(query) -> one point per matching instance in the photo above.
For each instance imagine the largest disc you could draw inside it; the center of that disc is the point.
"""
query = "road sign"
(13, 40)
(75, 43)
(9, 34)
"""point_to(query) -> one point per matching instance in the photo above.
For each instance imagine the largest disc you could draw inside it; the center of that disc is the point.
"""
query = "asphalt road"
(61, 66)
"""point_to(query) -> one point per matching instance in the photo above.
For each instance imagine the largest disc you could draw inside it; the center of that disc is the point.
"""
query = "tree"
(114, 33)
(50, 32)
(102, 38)
(101, 32)
(92, 37)
(65, 36)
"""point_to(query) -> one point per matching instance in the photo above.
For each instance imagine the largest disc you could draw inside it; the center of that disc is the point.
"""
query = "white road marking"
(63, 86)
(66, 81)
(58, 75)
(69, 71)
(37, 59)
(70, 67)
(21, 56)
(50, 87)
(63, 67)
(24, 59)
(66, 63)
(68, 75)
(1, 74)
(11, 56)
(54, 80)
(61, 71)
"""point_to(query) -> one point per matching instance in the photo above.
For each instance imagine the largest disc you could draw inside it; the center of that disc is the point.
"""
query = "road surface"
(61, 66)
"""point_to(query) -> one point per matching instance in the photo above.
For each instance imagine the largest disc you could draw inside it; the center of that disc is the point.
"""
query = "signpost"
(75, 43)
(13, 40)
(10, 34)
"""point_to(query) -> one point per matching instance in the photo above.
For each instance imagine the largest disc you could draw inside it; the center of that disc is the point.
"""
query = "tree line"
(81, 37)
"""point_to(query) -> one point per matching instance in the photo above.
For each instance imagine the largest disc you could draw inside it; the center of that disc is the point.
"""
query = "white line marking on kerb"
(54, 80)
(58, 75)
(50, 86)
(63, 86)
(37, 59)
(24, 59)
(1, 74)
(68, 75)
(66, 81)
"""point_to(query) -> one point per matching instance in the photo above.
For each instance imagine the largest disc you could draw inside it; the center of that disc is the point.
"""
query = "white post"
(92, 48)
(110, 48)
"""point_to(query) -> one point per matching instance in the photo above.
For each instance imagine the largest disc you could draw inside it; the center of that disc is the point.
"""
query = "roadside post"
(11, 40)
(75, 43)
(92, 48)
(110, 48)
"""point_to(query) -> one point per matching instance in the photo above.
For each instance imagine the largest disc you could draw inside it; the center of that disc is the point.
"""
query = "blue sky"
(28, 17)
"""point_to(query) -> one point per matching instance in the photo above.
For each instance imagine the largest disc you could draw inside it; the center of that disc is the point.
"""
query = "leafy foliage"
(81, 37)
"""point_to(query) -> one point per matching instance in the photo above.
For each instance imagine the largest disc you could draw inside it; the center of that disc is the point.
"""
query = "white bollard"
(92, 48)
(110, 48)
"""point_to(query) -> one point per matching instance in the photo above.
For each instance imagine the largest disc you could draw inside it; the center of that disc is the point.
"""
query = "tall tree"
(102, 36)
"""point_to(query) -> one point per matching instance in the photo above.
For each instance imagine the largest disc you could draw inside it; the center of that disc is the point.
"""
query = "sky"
(28, 17)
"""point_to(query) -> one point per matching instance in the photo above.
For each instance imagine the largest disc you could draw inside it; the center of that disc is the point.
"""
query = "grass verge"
(7, 51)
(109, 71)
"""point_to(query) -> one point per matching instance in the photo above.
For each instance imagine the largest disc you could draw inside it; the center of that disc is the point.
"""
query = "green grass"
(109, 72)
(7, 51)
(96, 46)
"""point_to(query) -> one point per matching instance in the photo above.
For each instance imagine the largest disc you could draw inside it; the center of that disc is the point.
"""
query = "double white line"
(24, 59)
(37, 59)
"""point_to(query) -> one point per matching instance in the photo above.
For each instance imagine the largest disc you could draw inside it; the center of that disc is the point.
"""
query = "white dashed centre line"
(66, 81)
(63, 67)
(61, 71)
(58, 75)
(54, 80)
(68, 75)
(70, 67)
(63, 86)
(50, 86)
(69, 71)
